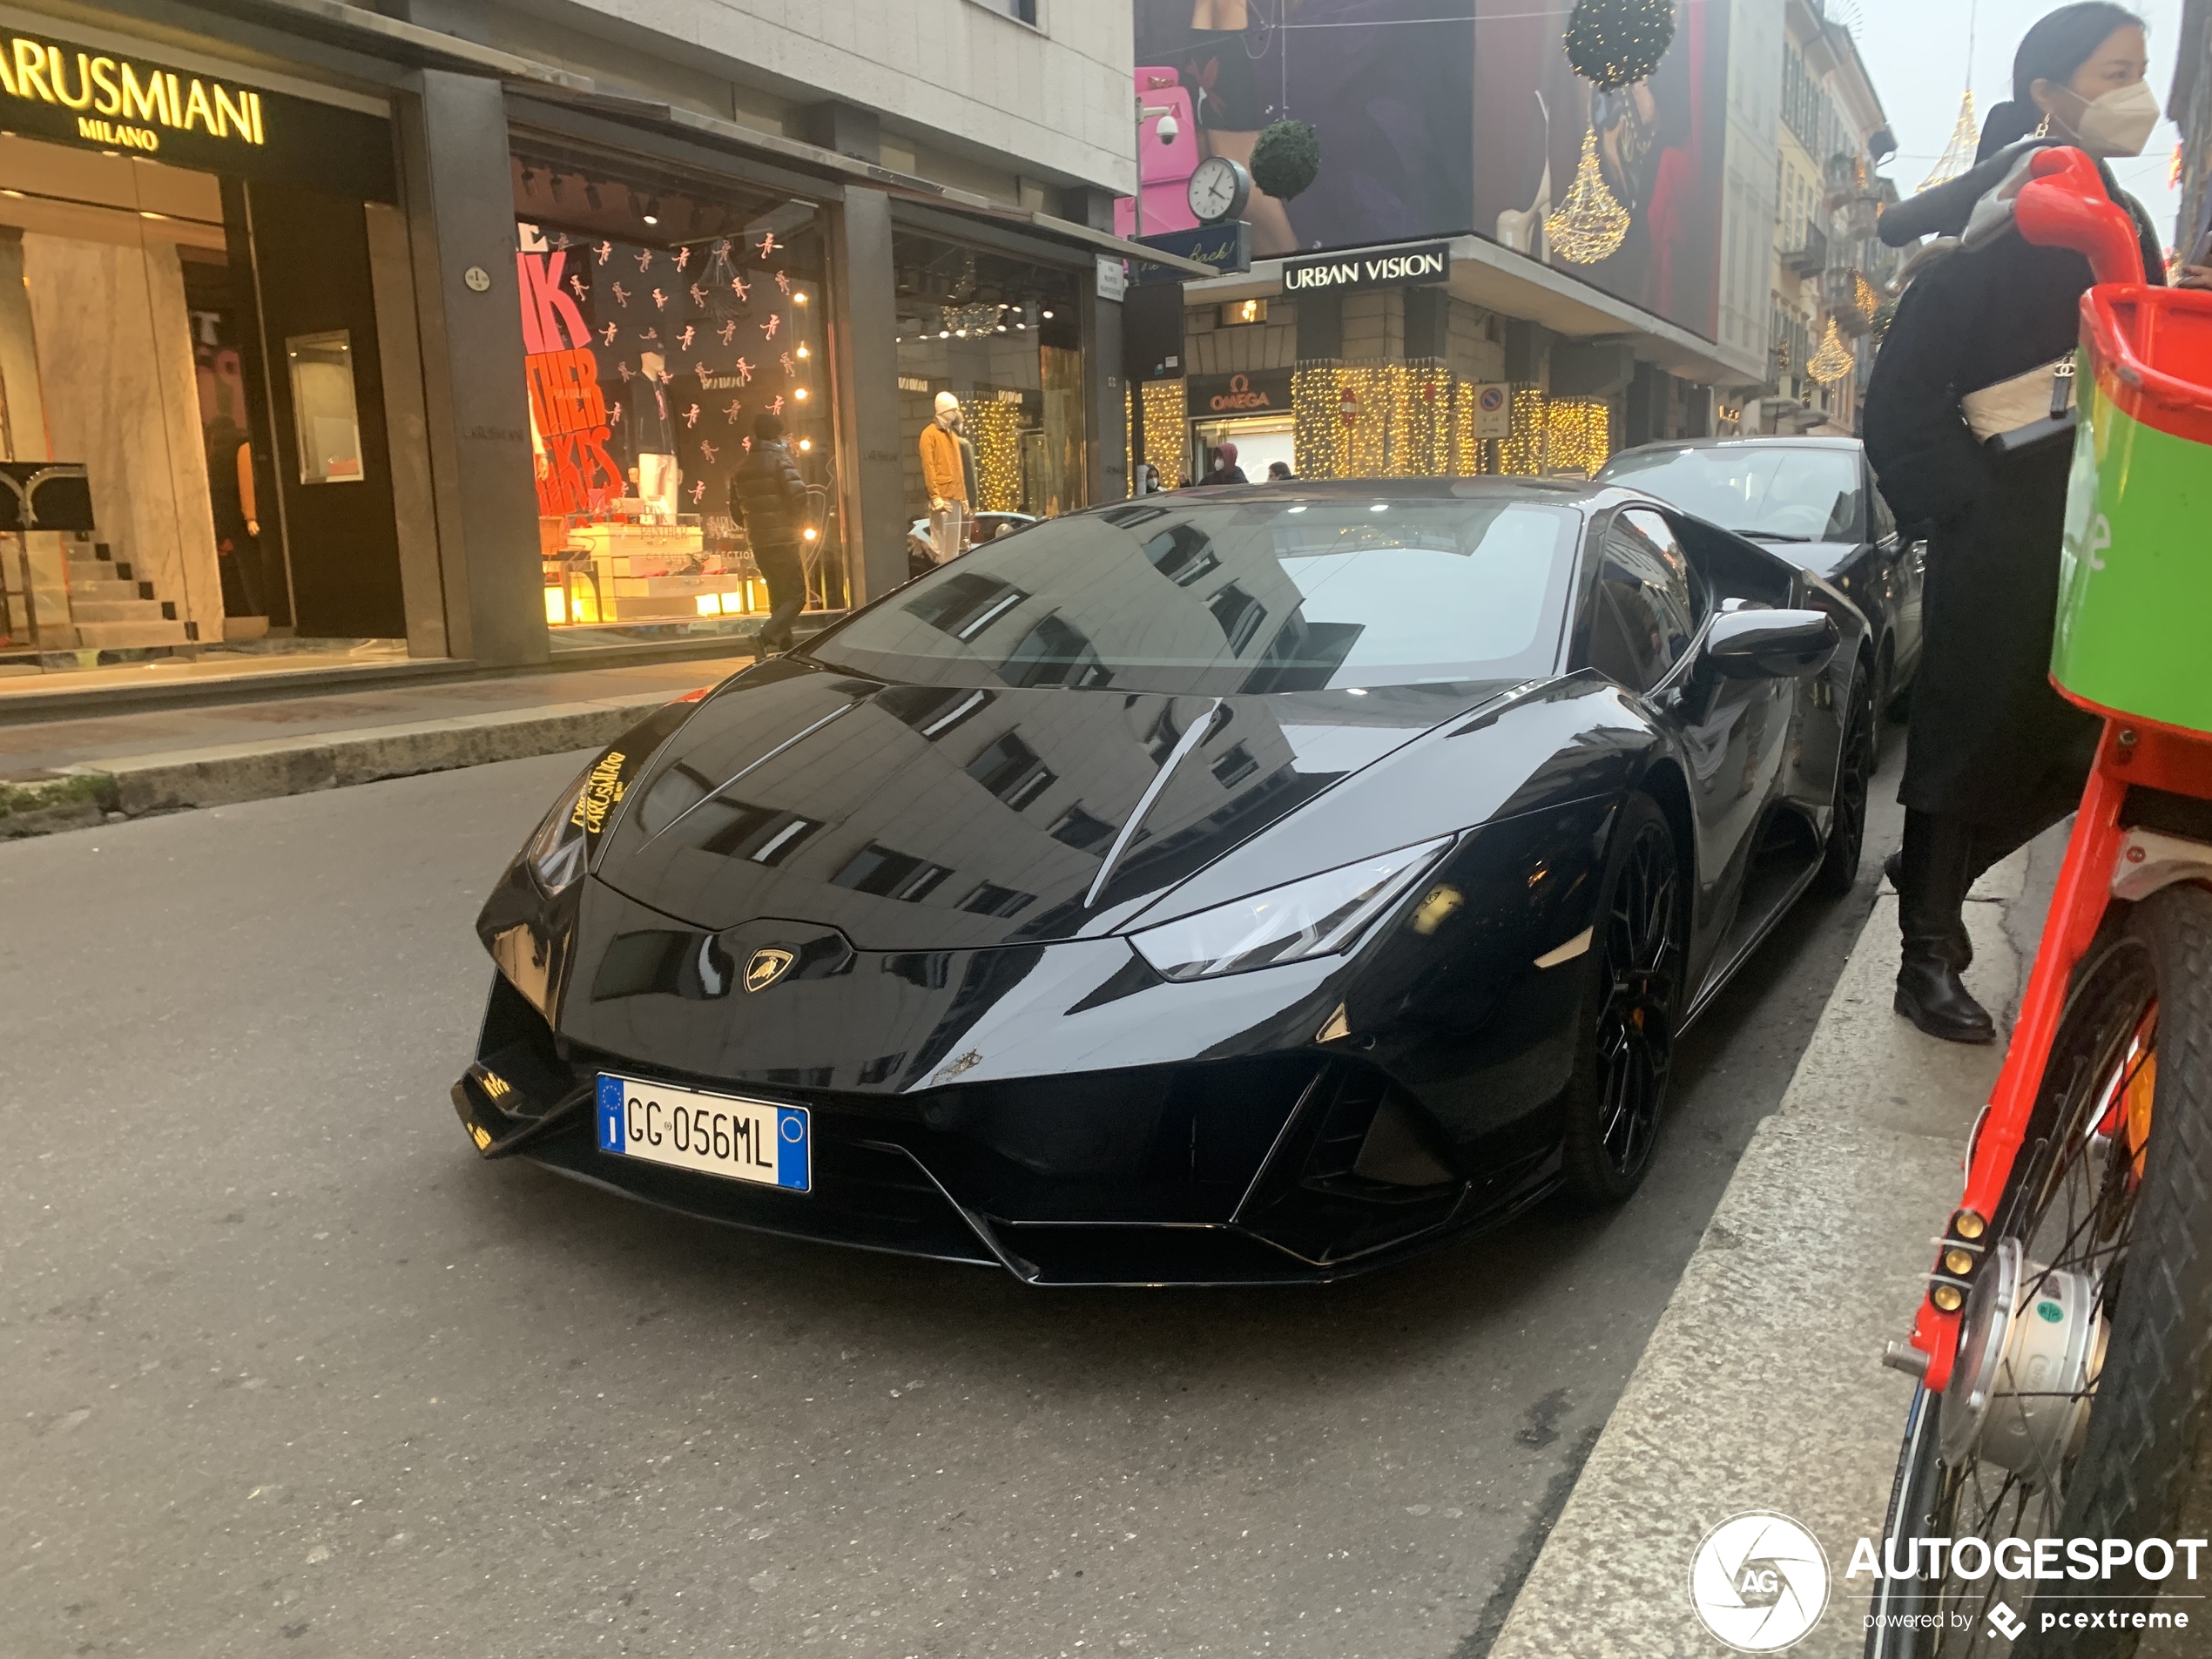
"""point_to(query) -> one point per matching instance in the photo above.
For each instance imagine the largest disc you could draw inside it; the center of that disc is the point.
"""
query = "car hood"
(938, 818)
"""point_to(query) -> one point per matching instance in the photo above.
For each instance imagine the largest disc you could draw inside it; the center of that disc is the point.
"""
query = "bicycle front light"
(1318, 915)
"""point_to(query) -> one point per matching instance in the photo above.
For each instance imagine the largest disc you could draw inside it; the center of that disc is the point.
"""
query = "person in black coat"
(1225, 470)
(1994, 755)
(768, 501)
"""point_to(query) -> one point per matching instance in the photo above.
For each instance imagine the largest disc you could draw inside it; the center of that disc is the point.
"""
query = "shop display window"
(662, 318)
(322, 403)
(1001, 338)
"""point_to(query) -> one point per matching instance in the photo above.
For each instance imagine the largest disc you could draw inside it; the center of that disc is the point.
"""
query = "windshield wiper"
(1773, 536)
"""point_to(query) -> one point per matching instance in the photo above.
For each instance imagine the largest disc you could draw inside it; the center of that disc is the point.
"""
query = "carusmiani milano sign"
(1427, 262)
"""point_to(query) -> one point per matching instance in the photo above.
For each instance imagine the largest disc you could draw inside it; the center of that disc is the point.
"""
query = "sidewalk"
(65, 774)
(1761, 1386)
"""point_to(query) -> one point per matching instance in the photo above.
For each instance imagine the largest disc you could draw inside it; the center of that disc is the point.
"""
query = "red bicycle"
(2064, 1346)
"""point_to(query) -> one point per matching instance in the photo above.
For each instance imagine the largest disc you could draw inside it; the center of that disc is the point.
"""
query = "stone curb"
(1761, 1386)
(227, 773)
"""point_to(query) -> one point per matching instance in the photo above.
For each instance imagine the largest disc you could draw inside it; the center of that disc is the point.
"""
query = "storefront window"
(672, 327)
(990, 383)
(197, 349)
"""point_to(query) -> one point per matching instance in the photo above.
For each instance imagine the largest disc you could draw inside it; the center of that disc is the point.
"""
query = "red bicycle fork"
(2132, 754)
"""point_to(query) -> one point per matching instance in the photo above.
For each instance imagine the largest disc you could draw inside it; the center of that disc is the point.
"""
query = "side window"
(1643, 612)
(1884, 521)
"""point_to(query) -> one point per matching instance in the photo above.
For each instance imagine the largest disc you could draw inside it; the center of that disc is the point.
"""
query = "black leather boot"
(1932, 872)
(1932, 995)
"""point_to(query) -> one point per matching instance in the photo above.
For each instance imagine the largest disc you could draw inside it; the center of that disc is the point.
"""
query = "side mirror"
(1771, 645)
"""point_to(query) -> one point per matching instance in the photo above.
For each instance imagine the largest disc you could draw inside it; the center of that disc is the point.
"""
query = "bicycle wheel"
(2077, 1405)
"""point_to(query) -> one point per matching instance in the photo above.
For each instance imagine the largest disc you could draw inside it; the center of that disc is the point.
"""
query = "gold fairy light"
(1832, 361)
(1958, 154)
(996, 430)
(1590, 223)
(1166, 429)
(1863, 297)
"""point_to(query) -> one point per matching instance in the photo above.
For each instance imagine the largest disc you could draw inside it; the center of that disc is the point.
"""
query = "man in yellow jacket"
(945, 479)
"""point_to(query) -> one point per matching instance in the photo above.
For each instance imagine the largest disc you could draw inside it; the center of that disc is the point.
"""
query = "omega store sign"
(96, 99)
(1259, 391)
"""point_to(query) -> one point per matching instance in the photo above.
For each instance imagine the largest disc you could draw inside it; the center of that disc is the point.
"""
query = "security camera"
(1168, 130)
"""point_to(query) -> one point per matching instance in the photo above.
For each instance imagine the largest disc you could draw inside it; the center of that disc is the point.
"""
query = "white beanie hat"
(946, 404)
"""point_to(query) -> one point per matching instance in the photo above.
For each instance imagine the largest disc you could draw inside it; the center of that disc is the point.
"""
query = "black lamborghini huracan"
(1236, 885)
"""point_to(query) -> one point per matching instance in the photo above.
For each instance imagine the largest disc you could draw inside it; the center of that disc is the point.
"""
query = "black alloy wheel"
(1854, 782)
(1627, 1049)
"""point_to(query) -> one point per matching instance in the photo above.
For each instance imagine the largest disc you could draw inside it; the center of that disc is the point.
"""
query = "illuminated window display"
(661, 318)
(1001, 338)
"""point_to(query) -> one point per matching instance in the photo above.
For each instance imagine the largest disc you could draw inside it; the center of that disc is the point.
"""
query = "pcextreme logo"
(1759, 1582)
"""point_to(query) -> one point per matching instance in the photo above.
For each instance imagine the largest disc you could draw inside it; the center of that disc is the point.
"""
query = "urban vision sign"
(1385, 268)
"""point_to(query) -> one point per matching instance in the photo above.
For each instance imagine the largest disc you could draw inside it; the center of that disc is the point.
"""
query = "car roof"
(1790, 442)
(1551, 492)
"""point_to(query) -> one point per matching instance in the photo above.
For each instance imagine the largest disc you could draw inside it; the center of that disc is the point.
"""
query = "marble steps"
(84, 585)
(120, 636)
(132, 610)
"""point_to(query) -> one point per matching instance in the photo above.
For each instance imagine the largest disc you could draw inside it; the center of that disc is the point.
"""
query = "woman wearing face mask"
(1994, 755)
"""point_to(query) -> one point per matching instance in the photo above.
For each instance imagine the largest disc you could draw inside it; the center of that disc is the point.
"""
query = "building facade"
(440, 330)
(2189, 105)
(1829, 267)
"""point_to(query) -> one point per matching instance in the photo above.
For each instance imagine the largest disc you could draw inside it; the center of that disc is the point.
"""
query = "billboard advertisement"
(1437, 117)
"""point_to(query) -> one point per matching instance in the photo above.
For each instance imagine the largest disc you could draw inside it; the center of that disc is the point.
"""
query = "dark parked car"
(1252, 884)
(1814, 500)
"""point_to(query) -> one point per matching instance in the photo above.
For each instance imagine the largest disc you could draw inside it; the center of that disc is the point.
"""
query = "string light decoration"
(1958, 154)
(1384, 421)
(1553, 435)
(1833, 362)
(1166, 412)
(1590, 223)
(1614, 42)
(1863, 297)
(996, 430)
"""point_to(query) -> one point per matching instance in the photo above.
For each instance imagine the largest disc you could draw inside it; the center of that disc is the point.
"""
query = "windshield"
(1777, 489)
(1278, 596)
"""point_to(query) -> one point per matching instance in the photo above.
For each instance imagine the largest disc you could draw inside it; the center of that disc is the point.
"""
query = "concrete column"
(1105, 413)
(864, 322)
(461, 210)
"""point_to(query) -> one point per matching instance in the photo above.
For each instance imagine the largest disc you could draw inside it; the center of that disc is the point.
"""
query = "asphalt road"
(287, 1370)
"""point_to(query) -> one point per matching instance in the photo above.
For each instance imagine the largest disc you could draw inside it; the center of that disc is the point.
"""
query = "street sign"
(1492, 409)
(1113, 277)
(1226, 247)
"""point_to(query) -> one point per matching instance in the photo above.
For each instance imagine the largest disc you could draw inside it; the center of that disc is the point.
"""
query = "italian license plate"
(740, 1139)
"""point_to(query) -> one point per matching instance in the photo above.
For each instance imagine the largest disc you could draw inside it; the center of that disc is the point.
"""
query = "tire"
(2146, 1429)
(1630, 1006)
(2142, 997)
(1839, 872)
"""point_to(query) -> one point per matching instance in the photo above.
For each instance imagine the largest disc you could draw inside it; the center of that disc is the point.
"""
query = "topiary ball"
(1613, 42)
(1286, 159)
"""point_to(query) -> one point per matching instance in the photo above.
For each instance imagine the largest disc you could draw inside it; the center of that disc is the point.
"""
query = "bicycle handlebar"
(2064, 204)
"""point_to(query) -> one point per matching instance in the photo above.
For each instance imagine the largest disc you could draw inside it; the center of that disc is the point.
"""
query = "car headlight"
(1314, 916)
(555, 853)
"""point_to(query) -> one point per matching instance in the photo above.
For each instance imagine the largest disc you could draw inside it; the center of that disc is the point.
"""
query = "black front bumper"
(1292, 1167)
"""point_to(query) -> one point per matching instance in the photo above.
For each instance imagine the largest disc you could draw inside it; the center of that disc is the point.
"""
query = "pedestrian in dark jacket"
(1225, 470)
(1994, 756)
(768, 501)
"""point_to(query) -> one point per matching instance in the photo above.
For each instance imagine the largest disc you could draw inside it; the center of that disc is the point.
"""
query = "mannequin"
(946, 479)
